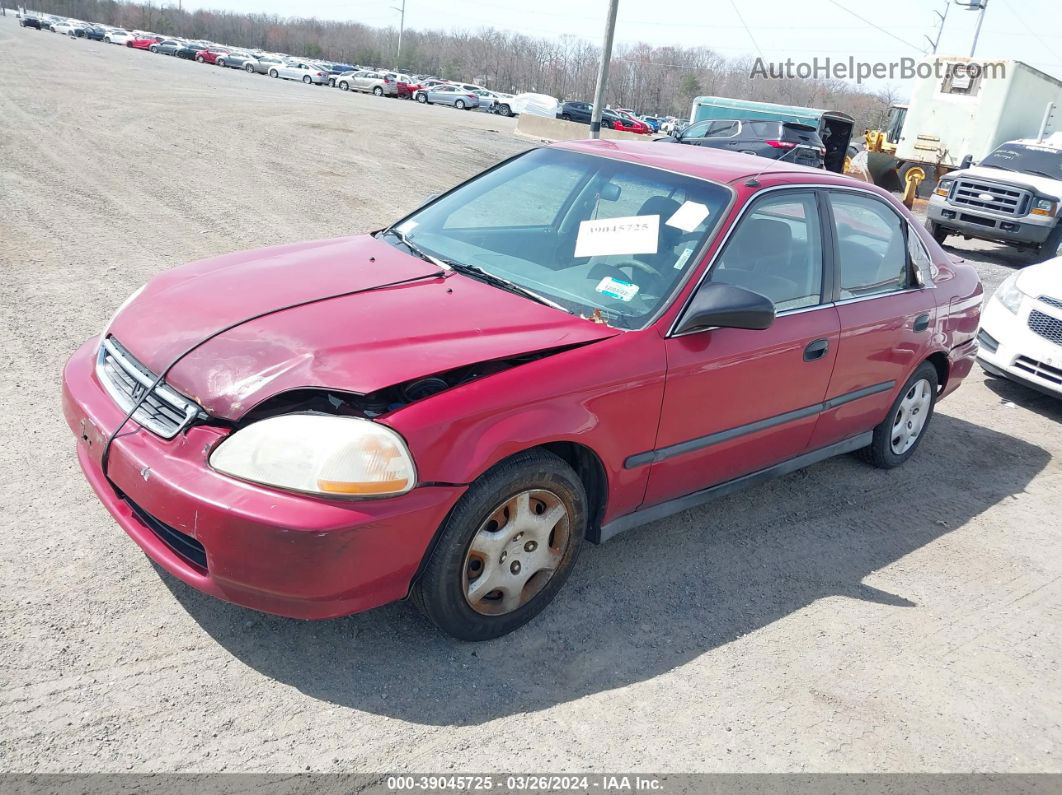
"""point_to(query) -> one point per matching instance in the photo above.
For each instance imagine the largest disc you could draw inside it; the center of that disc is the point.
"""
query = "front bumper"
(1028, 230)
(269, 550)
(1009, 348)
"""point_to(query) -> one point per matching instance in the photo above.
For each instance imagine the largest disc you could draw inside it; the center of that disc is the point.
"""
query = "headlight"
(319, 454)
(1045, 207)
(943, 187)
(1009, 295)
(118, 311)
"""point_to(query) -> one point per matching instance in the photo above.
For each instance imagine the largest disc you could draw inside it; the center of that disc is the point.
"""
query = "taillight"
(782, 144)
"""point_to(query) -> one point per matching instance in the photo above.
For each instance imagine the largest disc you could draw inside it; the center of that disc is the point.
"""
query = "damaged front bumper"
(270, 550)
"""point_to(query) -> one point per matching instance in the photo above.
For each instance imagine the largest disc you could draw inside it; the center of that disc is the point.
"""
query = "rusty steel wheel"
(515, 552)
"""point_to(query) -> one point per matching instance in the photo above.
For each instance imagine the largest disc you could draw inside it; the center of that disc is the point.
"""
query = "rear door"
(739, 400)
(887, 318)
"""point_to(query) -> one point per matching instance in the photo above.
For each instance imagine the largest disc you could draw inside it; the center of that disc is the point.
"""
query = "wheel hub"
(911, 416)
(515, 552)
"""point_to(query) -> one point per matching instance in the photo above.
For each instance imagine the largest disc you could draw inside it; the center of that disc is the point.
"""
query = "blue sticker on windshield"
(617, 288)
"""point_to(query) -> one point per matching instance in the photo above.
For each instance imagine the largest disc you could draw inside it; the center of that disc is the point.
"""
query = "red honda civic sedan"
(582, 339)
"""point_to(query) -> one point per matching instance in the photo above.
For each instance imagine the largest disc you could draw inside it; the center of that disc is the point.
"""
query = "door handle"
(816, 350)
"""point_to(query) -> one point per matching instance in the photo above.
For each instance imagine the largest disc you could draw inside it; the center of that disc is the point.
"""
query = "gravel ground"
(840, 619)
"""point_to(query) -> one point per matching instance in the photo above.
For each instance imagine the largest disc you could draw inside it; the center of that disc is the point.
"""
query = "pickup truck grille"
(1046, 326)
(164, 412)
(981, 195)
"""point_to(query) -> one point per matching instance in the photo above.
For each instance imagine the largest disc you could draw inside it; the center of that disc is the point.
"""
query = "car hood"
(1043, 185)
(244, 327)
(1044, 279)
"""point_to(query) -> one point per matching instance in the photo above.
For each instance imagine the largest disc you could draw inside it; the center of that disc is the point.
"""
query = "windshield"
(597, 236)
(1028, 159)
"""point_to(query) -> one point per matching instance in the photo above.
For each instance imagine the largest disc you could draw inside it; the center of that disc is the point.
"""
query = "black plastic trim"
(665, 509)
(663, 453)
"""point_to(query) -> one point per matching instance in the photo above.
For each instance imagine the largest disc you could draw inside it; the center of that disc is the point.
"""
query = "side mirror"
(717, 304)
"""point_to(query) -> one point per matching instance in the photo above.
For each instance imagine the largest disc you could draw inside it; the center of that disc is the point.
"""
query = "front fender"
(605, 396)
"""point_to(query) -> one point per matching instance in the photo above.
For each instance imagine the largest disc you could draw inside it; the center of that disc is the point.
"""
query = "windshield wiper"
(477, 272)
(419, 252)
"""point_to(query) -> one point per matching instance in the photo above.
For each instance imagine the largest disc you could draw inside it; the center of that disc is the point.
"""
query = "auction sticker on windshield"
(617, 288)
(635, 234)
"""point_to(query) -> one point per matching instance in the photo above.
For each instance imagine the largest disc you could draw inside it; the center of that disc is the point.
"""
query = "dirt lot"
(841, 619)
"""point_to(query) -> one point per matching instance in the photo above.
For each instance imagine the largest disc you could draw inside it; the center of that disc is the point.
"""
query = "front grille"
(1045, 371)
(1048, 327)
(181, 544)
(1055, 302)
(1002, 199)
(163, 412)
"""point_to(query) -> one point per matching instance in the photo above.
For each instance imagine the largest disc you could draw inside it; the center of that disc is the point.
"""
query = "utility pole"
(935, 43)
(602, 72)
(401, 27)
(975, 5)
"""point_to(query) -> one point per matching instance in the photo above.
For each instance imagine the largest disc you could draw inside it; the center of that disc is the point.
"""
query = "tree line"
(649, 79)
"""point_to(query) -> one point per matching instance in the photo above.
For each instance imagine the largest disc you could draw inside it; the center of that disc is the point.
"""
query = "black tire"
(274, 73)
(344, 85)
(154, 49)
(459, 104)
(200, 59)
(566, 117)
(1052, 247)
(505, 110)
(422, 99)
(249, 68)
(940, 233)
(307, 79)
(882, 452)
(606, 124)
(378, 91)
(440, 590)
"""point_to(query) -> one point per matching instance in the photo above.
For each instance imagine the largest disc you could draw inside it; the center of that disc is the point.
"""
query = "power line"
(1025, 25)
(745, 25)
(877, 27)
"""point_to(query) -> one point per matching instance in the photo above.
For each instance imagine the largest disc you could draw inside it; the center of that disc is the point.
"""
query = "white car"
(118, 36)
(63, 27)
(299, 70)
(1021, 328)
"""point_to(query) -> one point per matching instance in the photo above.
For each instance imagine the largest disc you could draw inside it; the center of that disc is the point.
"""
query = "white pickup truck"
(1013, 196)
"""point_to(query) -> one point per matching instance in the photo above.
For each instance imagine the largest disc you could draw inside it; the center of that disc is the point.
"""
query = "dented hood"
(245, 327)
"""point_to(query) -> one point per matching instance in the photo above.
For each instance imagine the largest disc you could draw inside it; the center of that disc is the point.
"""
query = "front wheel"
(459, 104)
(274, 73)
(154, 49)
(344, 85)
(506, 549)
(422, 99)
(505, 110)
(1052, 247)
(940, 233)
(899, 434)
(378, 91)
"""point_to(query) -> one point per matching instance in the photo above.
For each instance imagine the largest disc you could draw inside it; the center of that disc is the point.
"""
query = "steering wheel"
(649, 270)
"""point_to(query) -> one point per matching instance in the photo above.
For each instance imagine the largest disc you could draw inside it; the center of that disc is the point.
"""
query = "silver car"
(369, 81)
(457, 96)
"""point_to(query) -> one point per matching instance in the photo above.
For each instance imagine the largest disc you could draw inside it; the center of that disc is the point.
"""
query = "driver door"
(739, 400)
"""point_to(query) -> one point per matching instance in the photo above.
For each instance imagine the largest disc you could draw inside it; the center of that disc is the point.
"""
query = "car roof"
(696, 161)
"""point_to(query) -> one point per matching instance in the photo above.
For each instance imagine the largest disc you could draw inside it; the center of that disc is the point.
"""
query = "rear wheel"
(273, 73)
(459, 104)
(378, 91)
(307, 79)
(566, 117)
(899, 434)
(506, 549)
(505, 110)
(344, 85)
(154, 49)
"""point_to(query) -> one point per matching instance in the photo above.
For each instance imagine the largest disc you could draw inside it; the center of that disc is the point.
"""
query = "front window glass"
(1028, 159)
(594, 235)
(776, 251)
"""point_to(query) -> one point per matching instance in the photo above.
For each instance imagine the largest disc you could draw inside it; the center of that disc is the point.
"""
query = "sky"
(1027, 30)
